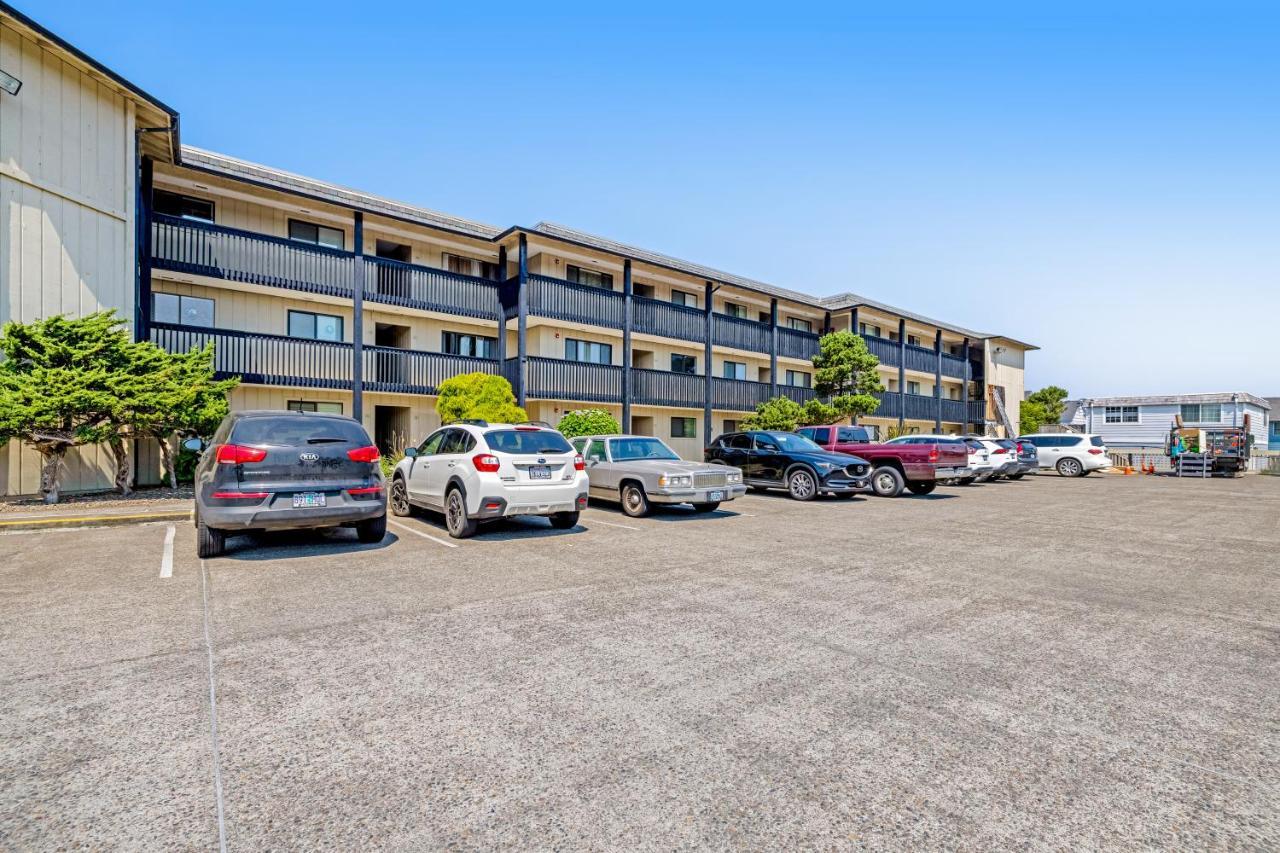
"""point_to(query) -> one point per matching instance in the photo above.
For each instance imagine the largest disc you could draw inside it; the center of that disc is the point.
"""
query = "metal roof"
(1173, 399)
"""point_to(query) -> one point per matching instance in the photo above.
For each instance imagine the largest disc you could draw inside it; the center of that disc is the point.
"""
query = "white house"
(1144, 422)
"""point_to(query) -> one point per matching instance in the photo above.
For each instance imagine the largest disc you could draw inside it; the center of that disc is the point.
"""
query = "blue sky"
(1104, 183)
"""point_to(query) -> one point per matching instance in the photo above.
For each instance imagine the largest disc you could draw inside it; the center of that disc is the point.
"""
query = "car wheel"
(802, 485)
(373, 529)
(564, 520)
(209, 542)
(400, 498)
(1070, 467)
(1017, 476)
(922, 487)
(705, 508)
(635, 502)
(966, 481)
(886, 482)
(455, 515)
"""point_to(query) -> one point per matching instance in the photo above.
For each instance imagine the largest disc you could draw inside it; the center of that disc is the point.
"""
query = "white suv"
(1070, 453)
(980, 467)
(474, 471)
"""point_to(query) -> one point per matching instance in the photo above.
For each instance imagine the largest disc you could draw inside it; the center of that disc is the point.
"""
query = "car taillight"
(1020, 450)
(1096, 451)
(364, 454)
(237, 454)
(365, 490)
(933, 454)
(240, 496)
(1000, 450)
(486, 462)
(579, 464)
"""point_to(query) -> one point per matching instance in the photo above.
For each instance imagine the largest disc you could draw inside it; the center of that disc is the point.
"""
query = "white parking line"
(166, 559)
(612, 524)
(425, 535)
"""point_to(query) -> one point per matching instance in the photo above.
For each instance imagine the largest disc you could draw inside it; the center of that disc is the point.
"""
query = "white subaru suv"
(474, 471)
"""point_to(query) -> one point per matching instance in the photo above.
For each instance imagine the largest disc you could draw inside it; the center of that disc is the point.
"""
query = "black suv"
(273, 470)
(783, 460)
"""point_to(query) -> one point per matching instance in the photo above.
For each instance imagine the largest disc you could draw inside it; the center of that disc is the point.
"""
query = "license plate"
(305, 500)
(715, 496)
(539, 472)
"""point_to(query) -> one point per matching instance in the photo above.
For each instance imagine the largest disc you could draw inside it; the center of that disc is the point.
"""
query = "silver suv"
(475, 472)
(640, 470)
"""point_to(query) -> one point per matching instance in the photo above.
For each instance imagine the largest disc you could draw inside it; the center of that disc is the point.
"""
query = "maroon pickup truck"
(917, 465)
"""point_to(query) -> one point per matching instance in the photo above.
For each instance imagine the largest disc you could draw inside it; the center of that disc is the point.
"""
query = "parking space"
(1043, 663)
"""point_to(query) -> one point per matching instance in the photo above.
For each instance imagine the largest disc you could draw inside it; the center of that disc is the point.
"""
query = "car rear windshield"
(527, 441)
(853, 434)
(1097, 441)
(975, 444)
(629, 449)
(298, 430)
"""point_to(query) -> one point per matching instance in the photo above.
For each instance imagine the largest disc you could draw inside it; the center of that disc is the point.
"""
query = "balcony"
(796, 344)
(664, 388)
(556, 379)
(740, 334)
(199, 248)
(260, 359)
(668, 320)
(575, 303)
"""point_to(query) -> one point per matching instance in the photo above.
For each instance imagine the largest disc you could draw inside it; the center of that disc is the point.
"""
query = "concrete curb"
(52, 522)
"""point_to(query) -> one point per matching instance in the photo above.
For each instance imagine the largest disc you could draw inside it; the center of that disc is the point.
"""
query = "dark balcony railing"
(795, 344)
(953, 411)
(795, 392)
(890, 405)
(953, 366)
(412, 286)
(656, 317)
(664, 388)
(260, 359)
(555, 379)
(918, 407)
(578, 303)
(883, 349)
(921, 358)
(739, 395)
(741, 334)
(183, 245)
(977, 411)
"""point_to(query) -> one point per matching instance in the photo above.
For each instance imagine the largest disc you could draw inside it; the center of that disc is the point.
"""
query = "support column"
(964, 387)
(500, 344)
(708, 292)
(902, 374)
(853, 321)
(522, 321)
(357, 320)
(826, 323)
(773, 347)
(937, 379)
(626, 345)
(142, 311)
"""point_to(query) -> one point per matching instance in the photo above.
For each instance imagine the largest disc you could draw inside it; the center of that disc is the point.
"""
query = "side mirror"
(410, 452)
(195, 445)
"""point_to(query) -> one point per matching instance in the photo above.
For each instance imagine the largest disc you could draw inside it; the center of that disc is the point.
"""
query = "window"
(589, 351)
(852, 434)
(591, 278)
(645, 290)
(1096, 441)
(185, 206)
(819, 434)
(182, 310)
(1201, 413)
(913, 340)
(688, 300)
(630, 449)
(432, 445)
(462, 343)
(471, 266)
(741, 441)
(869, 330)
(799, 324)
(684, 427)
(316, 327)
(798, 378)
(956, 349)
(457, 441)
(735, 370)
(733, 309)
(313, 406)
(595, 453)
(893, 336)
(913, 387)
(317, 235)
(683, 363)
(953, 393)
(1275, 428)
(1122, 414)
(732, 426)
(527, 441)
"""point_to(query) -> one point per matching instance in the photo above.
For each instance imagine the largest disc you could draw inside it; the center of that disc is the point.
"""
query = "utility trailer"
(1216, 452)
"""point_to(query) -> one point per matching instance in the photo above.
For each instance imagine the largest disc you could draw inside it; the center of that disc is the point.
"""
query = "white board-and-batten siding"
(66, 215)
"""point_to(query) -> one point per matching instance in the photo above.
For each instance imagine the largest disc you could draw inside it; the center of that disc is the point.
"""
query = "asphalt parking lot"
(1052, 663)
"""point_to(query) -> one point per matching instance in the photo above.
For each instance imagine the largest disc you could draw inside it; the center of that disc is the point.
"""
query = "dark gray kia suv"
(274, 470)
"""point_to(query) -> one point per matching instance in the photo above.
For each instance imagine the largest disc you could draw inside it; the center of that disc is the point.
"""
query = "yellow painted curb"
(94, 519)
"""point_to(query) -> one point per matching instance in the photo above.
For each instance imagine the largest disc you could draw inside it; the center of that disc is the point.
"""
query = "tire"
(399, 500)
(1017, 476)
(886, 482)
(702, 509)
(759, 490)
(635, 502)
(966, 481)
(455, 515)
(1086, 472)
(209, 541)
(372, 530)
(802, 484)
(922, 487)
(1069, 467)
(564, 520)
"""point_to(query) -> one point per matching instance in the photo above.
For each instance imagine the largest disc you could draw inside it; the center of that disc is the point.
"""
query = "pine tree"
(845, 370)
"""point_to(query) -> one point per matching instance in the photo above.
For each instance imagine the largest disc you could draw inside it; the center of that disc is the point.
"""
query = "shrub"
(479, 396)
(588, 422)
(780, 413)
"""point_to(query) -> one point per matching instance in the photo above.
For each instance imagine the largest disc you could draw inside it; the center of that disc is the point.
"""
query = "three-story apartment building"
(322, 297)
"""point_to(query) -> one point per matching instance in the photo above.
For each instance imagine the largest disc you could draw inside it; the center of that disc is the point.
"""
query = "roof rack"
(469, 421)
(536, 423)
